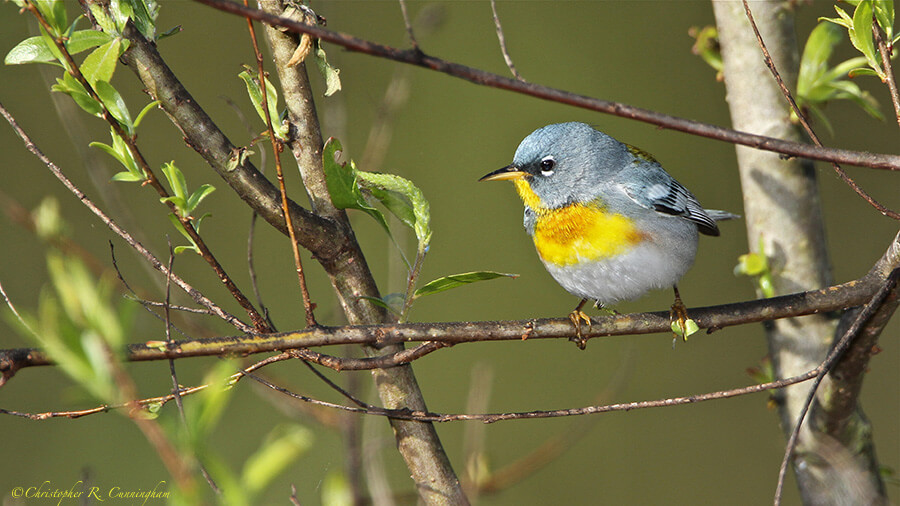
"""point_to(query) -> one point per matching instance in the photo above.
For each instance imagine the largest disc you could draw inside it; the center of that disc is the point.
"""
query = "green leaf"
(282, 446)
(706, 45)
(102, 17)
(48, 222)
(255, 93)
(690, 328)
(884, 16)
(49, 42)
(170, 32)
(209, 405)
(144, 15)
(182, 231)
(336, 490)
(455, 280)
(119, 150)
(115, 104)
(400, 196)
(176, 179)
(197, 197)
(70, 86)
(341, 180)
(147, 108)
(54, 11)
(393, 302)
(861, 35)
(863, 71)
(331, 74)
(31, 50)
(101, 63)
(814, 63)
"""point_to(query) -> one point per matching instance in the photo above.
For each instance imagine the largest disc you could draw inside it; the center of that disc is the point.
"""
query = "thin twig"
(502, 39)
(285, 206)
(152, 180)
(407, 414)
(143, 403)
(176, 387)
(355, 44)
(885, 53)
(408, 24)
(251, 229)
(836, 353)
(806, 126)
(127, 237)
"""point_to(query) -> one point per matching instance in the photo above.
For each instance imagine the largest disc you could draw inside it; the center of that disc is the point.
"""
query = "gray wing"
(655, 189)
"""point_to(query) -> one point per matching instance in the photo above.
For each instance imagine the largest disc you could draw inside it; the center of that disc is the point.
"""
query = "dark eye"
(547, 165)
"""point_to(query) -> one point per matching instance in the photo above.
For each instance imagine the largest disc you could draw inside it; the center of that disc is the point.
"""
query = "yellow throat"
(577, 233)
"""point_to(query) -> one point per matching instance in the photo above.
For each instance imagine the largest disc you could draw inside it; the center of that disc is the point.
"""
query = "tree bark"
(784, 222)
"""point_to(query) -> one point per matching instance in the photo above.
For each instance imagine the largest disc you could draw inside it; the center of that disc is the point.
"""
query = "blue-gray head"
(564, 163)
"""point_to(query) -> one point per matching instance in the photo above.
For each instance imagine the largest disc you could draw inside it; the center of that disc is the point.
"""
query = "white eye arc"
(547, 165)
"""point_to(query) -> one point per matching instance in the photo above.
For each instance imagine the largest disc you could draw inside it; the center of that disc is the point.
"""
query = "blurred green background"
(445, 135)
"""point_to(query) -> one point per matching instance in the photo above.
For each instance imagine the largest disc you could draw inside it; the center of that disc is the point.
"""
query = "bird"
(608, 222)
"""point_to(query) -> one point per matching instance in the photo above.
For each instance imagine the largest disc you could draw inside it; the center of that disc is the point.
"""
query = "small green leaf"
(119, 150)
(70, 86)
(455, 280)
(255, 93)
(884, 16)
(48, 222)
(341, 180)
(31, 50)
(147, 108)
(336, 490)
(282, 446)
(178, 184)
(170, 32)
(690, 328)
(402, 198)
(177, 224)
(83, 40)
(197, 197)
(863, 71)
(393, 302)
(102, 18)
(331, 74)
(115, 104)
(861, 35)
(101, 63)
(54, 11)
(144, 16)
(706, 46)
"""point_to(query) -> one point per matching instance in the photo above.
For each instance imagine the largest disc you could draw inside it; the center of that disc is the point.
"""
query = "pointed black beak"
(504, 174)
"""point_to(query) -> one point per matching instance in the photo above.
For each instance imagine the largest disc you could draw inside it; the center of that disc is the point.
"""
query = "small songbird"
(608, 222)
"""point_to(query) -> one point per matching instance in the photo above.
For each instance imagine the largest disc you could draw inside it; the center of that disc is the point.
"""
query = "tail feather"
(718, 215)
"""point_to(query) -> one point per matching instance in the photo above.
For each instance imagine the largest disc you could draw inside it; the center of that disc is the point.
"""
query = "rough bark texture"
(784, 222)
(397, 387)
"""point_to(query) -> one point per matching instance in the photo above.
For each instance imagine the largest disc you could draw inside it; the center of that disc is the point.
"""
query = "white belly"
(647, 266)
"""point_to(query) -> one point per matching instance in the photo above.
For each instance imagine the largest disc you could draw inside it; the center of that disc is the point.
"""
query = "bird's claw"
(576, 317)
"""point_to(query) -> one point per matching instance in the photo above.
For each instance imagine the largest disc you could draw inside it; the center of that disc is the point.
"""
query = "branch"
(198, 297)
(230, 162)
(806, 126)
(480, 77)
(712, 318)
(205, 253)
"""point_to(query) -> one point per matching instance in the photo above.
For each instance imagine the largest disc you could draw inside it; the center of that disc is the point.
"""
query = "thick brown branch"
(417, 58)
(229, 161)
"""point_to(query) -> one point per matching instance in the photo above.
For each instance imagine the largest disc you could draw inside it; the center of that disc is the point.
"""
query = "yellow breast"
(577, 232)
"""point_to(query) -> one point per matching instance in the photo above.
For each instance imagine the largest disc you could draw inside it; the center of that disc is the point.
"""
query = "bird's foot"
(576, 317)
(682, 325)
